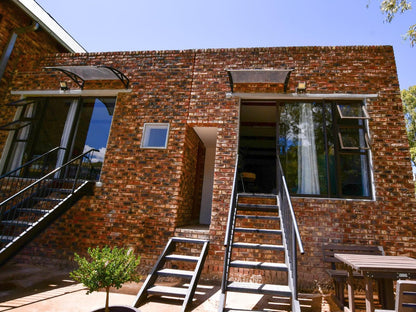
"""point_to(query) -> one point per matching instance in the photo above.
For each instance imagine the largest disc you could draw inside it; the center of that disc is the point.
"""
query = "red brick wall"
(31, 43)
(191, 184)
(142, 198)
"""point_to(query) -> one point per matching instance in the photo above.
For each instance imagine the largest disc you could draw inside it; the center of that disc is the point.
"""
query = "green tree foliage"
(409, 109)
(391, 7)
(106, 268)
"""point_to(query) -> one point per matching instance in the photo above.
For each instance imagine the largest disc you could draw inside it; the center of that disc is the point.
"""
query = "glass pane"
(302, 148)
(94, 128)
(155, 135)
(352, 111)
(353, 138)
(353, 171)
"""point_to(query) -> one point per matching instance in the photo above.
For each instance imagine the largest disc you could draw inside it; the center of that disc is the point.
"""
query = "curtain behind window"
(308, 178)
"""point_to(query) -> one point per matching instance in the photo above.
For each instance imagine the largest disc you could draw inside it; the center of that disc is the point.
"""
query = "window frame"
(147, 127)
(340, 149)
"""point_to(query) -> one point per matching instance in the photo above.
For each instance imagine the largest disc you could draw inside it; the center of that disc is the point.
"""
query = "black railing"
(24, 208)
(18, 178)
(229, 233)
(291, 233)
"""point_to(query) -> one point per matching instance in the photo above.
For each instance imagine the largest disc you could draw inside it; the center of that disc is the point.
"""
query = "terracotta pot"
(118, 309)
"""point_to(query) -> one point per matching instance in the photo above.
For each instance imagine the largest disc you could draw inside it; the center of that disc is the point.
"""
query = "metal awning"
(80, 74)
(259, 76)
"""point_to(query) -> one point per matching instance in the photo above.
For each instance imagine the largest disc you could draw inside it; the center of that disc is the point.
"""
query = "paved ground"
(26, 288)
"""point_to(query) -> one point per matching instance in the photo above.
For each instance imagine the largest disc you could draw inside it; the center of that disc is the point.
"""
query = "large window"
(76, 124)
(324, 148)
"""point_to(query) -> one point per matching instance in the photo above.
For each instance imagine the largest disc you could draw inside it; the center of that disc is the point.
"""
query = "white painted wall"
(208, 135)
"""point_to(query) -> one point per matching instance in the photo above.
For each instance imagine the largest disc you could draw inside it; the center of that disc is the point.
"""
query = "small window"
(351, 111)
(155, 135)
(353, 138)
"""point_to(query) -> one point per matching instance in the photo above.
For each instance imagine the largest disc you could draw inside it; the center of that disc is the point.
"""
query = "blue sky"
(135, 25)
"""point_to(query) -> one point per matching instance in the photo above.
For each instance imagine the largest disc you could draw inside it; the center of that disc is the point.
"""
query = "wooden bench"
(405, 297)
(339, 275)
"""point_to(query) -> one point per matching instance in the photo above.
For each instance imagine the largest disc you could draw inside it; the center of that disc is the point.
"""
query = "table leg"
(387, 293)
(369, 296)
(350, 282)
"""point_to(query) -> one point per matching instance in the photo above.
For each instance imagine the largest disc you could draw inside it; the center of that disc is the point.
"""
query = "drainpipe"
(9, 48)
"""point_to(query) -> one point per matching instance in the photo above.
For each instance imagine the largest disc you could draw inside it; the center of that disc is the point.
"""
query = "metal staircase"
(38, 202)
(261, 239)
(175, 254)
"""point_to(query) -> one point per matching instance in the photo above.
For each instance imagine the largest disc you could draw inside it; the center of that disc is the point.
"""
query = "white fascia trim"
(301, 96)
(49, 24)
(70, 93)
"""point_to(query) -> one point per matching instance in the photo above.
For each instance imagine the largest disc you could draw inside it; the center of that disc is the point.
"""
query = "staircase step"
(173, 257)
(255, 288)
(256, 195)
(263, 231)
(259, 246)
(61, 190)
(258, 217)
(258, 265)
(176, 273)
(17, 223)
(33, 210)
(49, 199)
(6, 239)
(188, 240)
(166, 290)
(257, 207)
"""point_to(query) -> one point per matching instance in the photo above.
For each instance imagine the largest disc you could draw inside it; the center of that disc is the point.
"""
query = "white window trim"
(155, 125)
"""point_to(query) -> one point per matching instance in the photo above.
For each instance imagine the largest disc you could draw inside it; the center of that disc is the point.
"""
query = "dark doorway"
(257, 147)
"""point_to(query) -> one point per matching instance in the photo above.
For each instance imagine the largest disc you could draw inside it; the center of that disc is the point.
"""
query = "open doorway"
(208, 136)
(257, 147)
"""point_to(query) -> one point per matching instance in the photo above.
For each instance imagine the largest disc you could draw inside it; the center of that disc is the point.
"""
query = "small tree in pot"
(106, 268)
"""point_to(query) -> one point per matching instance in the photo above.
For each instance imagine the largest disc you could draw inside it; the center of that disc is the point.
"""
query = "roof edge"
(50, 25)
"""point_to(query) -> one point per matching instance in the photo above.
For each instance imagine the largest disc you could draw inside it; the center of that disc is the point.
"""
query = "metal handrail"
(282, 186)
(31, 162)
(232, 203)
(50, 174)
(291, 233)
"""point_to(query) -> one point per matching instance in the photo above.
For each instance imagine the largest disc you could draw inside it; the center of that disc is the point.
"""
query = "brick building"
(175, 123)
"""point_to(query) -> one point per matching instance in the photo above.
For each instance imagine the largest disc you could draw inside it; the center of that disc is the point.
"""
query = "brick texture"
(147, 194)
(31, 43)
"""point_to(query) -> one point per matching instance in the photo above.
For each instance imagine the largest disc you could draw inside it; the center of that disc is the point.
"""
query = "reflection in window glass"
(155, 135)
(321, 153)
(94, 128)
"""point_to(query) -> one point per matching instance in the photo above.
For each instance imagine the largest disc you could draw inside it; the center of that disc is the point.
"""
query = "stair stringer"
(12, 248)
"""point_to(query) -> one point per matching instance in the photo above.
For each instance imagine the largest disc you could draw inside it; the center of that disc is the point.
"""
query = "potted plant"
(107, 268)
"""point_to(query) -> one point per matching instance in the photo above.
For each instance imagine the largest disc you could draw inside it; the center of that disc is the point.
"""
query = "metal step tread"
(239, 216)
(256, 195)
(258, 265)
(182, 258)
(269, 289)
(6, 238)
(188, 240)
(175, 272)
(259, 246)
(253, 230)
(33, 210)
(257, 207)
(17, 222)
(167, 290)
(61, 190)
(239, 310)
(50, 199)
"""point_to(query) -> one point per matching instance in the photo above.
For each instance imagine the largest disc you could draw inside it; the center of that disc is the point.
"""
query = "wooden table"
(383, 268)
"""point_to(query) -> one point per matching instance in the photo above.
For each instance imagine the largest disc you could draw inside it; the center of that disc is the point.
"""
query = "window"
(155, 135)
(76, 124)
(324, 148)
